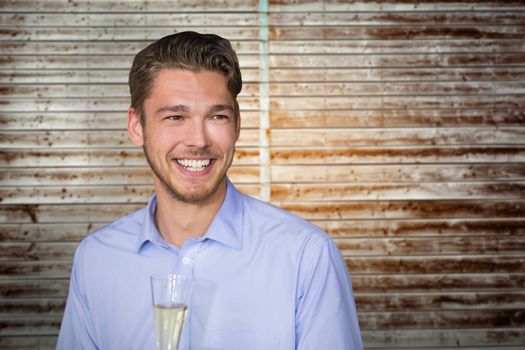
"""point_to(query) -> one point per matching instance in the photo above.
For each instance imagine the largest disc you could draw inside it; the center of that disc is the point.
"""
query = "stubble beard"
(193, 196)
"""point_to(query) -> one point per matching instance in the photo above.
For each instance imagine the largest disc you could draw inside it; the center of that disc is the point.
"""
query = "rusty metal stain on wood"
(442, 319)
(362, 155)
(423, 228)
(396, 191)
(396, 118)
(407, 209)
(438, 282)
(436, 264)
(445, 338)
(54, 288)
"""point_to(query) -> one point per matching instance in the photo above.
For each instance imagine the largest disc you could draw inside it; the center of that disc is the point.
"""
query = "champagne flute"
(171, 294)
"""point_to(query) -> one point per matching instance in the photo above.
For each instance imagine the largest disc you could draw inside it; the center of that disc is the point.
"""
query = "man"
(263, 278)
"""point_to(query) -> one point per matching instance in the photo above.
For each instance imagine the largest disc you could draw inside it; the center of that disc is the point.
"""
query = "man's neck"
(177, 221)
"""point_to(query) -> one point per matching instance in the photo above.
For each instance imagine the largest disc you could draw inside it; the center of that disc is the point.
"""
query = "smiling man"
(263, 278)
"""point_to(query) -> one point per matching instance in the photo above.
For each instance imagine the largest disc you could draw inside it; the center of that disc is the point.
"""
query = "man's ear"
(135, 131)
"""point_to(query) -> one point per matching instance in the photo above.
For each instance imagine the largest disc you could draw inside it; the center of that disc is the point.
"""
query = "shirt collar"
(226, 227)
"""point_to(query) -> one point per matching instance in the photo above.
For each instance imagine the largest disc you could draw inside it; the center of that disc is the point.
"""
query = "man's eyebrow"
(221, 107)
(173, 108)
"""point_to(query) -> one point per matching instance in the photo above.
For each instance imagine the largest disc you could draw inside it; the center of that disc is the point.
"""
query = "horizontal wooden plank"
(365, 303)
(334, 61)
(461, 301)
(433, 88)
(102, 176)
(90, 139)
(392, 5)
(352, 137)
(368, 321)
(44, 288)
(90, 76)
(442, 319)
(438, 282)
(359, 102)
(109, 61)
(88, 90)
(66, 194)
(354, 89)
(140, 6)
(79, 213)
(501, 18)
(374, 47)
(279, 174)
(28, 342)
(384, 18)
(42, 326)
(145, 19)
(82, 213)
(366, 285)
(88, 104)
(327, 61)
(82, 120)
(242, 47)
(482, 264)
(447, 245)
(406, 209)
(32, 307)
(394, 32)
(471, 117)
(49, 158)
(279, 75)
(404, 155)
(433, 264)
(69, 232)
(407, 102)
(419, 228)
(351, 191)
(35, 270)
(362, 284)
(405, 173)
(37, 251)
(135, 33)
(446, 339)
(351, 247)
(363, 75)
(339, 229)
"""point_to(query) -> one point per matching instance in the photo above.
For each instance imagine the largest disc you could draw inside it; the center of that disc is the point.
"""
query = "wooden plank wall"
(397, 126)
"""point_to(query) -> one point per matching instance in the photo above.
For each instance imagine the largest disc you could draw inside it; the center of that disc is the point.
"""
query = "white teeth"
(193, 164)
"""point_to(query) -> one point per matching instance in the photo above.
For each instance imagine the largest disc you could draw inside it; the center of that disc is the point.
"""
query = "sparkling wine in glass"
(171, 294)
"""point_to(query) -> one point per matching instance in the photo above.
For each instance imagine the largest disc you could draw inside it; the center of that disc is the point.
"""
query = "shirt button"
(185, 260)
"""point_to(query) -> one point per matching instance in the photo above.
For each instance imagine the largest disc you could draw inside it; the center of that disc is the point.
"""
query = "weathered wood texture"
(396, 126)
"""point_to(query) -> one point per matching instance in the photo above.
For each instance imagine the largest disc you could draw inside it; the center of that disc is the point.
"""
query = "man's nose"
(197, 135)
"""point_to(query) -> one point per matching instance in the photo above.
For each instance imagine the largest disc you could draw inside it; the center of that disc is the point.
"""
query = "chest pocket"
(242, 340)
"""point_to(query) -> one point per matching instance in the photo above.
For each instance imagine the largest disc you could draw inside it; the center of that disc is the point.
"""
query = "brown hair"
(185, 50)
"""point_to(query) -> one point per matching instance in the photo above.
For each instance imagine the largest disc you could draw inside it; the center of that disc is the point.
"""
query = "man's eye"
(175, 117)
(220, 117)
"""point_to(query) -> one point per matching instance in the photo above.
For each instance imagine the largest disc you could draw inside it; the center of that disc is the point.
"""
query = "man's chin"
(195, 194)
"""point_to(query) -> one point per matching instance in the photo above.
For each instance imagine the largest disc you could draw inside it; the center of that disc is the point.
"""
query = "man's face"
(189, 133)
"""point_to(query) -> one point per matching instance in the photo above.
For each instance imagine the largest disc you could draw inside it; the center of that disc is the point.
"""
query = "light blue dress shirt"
(263, 279)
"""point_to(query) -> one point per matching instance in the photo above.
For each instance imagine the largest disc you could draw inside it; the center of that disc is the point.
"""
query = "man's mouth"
(194, 165)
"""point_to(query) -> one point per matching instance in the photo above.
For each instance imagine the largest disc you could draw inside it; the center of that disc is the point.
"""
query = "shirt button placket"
(185, 261)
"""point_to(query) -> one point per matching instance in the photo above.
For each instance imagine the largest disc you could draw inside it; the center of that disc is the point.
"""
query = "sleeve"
(326, 315)
(76, 330)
